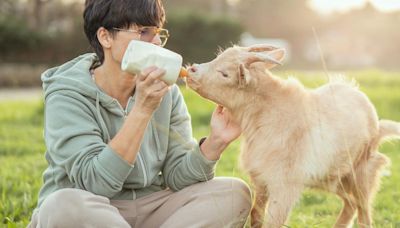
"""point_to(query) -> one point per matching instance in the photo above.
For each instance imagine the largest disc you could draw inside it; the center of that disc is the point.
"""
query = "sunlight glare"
(329, 6)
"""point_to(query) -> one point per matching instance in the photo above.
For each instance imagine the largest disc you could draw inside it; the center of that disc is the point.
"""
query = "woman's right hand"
(150, 90)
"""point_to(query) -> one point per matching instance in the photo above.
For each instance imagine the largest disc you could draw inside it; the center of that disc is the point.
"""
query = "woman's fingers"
(162, 92)
(145, 72)
(149, 75)
(158, 86)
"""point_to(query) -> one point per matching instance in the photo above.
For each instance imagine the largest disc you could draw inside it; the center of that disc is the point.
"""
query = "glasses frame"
(140, 30)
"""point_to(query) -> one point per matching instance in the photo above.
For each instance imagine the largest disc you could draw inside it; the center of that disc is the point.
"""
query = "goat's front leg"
(281, 200)
(260, 201)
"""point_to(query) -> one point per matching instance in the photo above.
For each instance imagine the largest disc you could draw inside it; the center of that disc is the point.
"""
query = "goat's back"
(321, 137)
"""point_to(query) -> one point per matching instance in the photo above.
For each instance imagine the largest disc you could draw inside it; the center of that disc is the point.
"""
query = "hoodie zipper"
(125, 111)
(143, 169)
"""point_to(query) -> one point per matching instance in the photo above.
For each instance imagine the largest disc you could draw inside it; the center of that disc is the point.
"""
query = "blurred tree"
(17, 37)
(291, 20)
(216, 7)
(363, 32)
(37, 13)
(12, 8)
(197, 36)
(6, 6)
(57, 40)
(51, 30)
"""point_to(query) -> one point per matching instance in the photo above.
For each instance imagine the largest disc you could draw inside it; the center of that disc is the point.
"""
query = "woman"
(119, 146)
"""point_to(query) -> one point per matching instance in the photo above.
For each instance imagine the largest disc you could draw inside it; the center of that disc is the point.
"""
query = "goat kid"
(294, 137)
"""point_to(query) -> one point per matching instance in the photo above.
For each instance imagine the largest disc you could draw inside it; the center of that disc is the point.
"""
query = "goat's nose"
(193, 69)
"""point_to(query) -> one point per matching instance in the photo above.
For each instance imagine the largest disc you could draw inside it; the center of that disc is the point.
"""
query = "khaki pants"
(221, 202)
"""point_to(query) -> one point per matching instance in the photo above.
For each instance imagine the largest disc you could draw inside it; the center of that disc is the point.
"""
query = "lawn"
(22, 150)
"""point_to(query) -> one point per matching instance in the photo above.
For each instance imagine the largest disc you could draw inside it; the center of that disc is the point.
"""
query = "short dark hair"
(119, 14)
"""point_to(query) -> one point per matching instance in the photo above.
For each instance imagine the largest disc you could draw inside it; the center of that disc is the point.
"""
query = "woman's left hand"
(223, 131)
(223, 126)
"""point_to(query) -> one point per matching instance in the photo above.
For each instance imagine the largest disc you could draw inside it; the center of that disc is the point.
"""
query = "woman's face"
(122, 37)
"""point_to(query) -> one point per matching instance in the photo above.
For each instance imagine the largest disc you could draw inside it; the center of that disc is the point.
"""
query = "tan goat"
(294, 137)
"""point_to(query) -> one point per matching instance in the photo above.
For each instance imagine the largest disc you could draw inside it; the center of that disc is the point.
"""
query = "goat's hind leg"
(367, 175)
(349, 209)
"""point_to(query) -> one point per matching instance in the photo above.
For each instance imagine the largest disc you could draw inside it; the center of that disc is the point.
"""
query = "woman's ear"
(104, 37)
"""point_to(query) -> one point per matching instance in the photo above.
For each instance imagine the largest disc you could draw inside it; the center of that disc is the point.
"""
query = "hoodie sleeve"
(74, 143)
(185, 164)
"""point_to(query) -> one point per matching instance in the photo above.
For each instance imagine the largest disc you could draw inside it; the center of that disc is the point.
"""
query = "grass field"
(22, 150)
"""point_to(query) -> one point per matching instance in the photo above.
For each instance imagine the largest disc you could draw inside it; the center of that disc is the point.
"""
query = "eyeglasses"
(147, 33)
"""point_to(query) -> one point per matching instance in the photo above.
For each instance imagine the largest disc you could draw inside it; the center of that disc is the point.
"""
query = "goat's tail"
(388, 129)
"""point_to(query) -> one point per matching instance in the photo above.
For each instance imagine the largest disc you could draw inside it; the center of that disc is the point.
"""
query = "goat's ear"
(243, 76)
(261, 48)
(270, 57)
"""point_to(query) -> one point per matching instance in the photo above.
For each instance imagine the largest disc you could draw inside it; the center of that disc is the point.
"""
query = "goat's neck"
(273, 99)
(248, 115)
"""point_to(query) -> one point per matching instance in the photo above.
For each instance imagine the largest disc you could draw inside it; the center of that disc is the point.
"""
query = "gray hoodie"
(80, 120)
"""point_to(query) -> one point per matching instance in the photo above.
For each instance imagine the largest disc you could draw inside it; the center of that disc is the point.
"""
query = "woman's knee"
(242, 193)
(236, 190)
(237, 199)
(62, 207)
(78, 208)
(237, 186)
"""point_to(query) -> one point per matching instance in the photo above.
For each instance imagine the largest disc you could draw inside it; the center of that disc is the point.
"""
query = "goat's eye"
(225, 75)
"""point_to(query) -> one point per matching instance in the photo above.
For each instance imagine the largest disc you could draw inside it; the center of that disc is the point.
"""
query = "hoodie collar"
(75, 76)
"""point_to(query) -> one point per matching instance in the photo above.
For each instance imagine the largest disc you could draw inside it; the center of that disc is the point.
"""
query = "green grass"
(22, 160)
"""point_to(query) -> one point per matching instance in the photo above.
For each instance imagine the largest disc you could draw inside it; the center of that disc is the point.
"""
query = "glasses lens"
(148, 34)
(163, 36)
(163, 40)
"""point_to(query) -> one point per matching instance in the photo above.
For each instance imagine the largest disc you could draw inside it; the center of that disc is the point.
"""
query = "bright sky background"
(329, 6)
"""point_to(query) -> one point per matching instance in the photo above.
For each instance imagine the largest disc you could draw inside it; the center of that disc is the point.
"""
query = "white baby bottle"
(140, 55)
